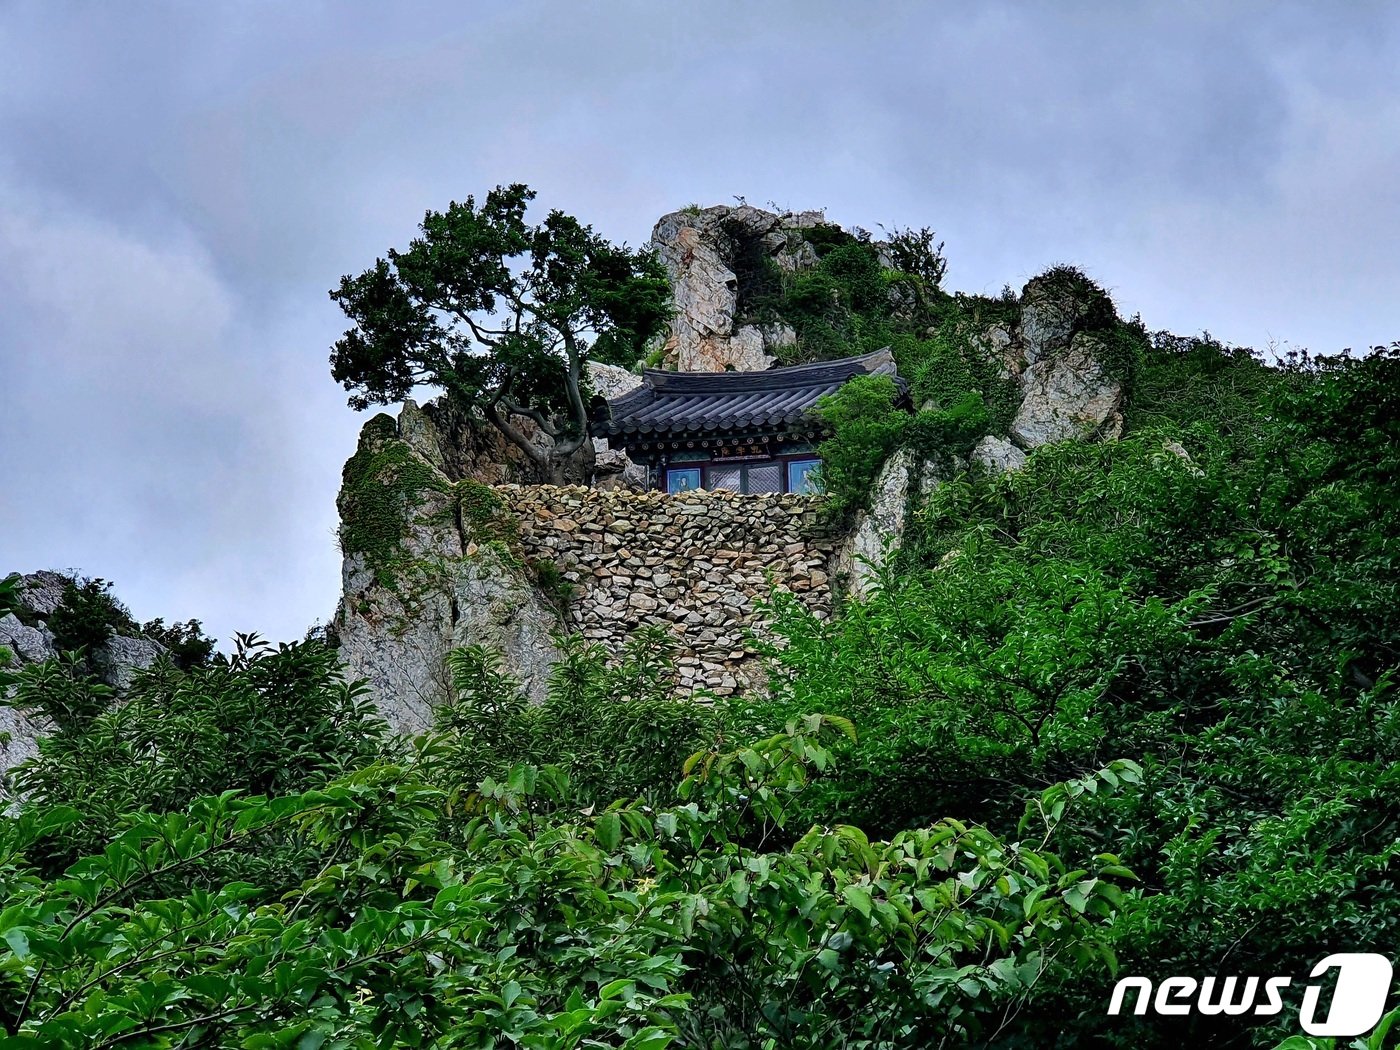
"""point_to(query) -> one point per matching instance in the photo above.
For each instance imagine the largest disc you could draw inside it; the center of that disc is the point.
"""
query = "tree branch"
(538, 457)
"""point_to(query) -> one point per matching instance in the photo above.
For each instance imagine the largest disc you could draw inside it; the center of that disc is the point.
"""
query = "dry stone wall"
(699, 563)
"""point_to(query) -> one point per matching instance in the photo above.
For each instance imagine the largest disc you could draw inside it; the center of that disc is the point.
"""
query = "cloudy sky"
(181, 183)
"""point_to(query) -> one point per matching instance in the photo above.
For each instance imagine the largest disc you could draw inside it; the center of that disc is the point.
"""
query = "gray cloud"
(179, 186)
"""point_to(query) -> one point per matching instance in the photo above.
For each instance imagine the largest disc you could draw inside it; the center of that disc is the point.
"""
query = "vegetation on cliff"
(1130, 709)
(502, 315)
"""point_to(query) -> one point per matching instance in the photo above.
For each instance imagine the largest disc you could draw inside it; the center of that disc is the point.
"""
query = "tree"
(502, 315)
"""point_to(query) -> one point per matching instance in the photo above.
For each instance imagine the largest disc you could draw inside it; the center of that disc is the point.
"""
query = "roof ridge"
(812, 373)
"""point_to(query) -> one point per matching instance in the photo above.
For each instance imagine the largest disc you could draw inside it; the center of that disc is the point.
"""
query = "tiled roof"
(721, 402)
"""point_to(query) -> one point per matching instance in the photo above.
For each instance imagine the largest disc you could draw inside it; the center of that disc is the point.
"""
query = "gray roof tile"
(669, 403)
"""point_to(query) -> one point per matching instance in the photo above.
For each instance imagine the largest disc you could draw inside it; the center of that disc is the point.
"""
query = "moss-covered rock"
(430, 564)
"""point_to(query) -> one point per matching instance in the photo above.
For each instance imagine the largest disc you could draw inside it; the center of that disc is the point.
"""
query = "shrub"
(617, 730)
(87, 616)
(866, 425)
(268, 721)
(186, 643)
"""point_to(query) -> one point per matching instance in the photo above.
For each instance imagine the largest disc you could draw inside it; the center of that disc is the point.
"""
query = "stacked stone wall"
(698, 563)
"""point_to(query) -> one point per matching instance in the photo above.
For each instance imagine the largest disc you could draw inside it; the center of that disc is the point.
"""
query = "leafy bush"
(186, 644)
(866, 426)
(9, 593)
(87, 616)
(429, 918)
(1229, 616)
(268, 721)
(617, 731)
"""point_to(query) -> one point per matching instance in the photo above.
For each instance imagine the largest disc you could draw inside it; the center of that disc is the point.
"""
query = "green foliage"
(1378, 1039)
(87, 616)
(865, 854)
(615, 728)
(851, 301)
(1231, 619)
(865, 426)
(381, 494)
(268, 721)
(502, 314)
(1197, 381)
(557, 589)
(9, 594)
(186, 643)
(841, 306)
(61, 691)
(431, 917)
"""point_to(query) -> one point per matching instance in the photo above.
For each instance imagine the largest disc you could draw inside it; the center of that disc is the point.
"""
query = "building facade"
(746, 432)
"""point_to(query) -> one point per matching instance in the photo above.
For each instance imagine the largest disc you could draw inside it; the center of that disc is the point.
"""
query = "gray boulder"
(903, 483)
(611, 467)
(28, 644)
(998, 455)
(1053, 308)
(116, 662)
(119, 659)
(464, 447)
(42, 592)
(1067, 397)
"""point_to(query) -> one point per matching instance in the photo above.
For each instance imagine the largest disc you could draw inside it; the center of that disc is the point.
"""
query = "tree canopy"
(503, 315)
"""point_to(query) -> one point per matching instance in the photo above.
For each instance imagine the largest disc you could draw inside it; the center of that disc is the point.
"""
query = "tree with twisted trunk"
(503, 315)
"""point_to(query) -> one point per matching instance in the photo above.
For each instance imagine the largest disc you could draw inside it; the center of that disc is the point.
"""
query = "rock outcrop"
(998, 455)
(1059, 362)
(710, 254)
(902, 484)
(1068, 396)
(612, 468)
(465, 448)
(1067, 392)
(431, 562)
(26, 636)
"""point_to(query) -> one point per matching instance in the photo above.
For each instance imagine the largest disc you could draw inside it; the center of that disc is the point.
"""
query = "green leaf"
(18, 941)
(608, 830)
(858, 897)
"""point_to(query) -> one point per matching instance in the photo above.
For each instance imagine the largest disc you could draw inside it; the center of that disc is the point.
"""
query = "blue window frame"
(802, 476)
(682, 479)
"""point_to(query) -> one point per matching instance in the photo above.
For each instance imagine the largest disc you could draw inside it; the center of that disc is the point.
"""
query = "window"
(745, 477)
(682, 480)
(769, 475)
(726, 477)
(764, 477)
(803, 477)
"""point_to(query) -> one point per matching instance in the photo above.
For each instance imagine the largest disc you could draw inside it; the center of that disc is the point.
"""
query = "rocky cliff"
(25, 634)
(448, 539)
(430, 563)
(710, 255)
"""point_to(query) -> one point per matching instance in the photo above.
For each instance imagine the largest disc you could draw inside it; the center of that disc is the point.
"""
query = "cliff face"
(430, 563)
(709, 254)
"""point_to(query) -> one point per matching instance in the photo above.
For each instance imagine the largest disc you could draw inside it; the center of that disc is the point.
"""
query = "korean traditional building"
(743, 431)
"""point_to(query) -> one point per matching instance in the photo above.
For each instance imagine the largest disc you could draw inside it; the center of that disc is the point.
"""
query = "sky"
(180, 185)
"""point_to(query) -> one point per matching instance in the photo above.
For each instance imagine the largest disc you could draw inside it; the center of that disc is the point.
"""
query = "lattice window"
(765, 477)
(726, 477)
